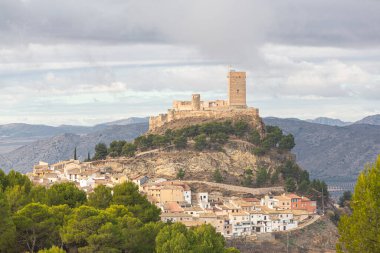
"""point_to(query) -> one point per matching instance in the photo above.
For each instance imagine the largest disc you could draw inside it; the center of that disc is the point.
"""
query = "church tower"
(237, 90)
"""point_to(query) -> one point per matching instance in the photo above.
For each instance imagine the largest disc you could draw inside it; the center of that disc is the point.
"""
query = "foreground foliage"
(360, 232)
(62, 219)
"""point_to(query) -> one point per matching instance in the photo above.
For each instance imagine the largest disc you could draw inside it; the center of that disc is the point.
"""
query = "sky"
(83, 62)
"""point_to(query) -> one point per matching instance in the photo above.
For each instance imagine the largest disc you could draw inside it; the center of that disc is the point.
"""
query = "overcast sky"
(91, 61)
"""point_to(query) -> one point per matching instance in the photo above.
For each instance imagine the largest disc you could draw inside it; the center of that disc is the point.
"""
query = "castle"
(216, 109)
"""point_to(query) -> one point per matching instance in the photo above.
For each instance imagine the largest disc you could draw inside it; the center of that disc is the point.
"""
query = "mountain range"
(330, 149)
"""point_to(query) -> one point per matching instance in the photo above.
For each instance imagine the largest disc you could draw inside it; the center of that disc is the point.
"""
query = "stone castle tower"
(237, 89)
(197, 109)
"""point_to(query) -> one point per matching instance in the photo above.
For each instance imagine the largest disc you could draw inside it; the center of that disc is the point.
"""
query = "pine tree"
(360, 232)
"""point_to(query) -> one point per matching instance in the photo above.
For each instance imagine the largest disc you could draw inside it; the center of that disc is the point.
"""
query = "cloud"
(77, 57)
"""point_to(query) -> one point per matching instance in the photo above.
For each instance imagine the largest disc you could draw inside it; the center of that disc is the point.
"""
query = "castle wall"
(159, 121)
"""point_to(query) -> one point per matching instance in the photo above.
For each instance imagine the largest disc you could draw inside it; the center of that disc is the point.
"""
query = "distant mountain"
(61, 147)
(371, 120)
(329, 121)
(128, 121)
(16, 135)
(332, 153)
(27, 130)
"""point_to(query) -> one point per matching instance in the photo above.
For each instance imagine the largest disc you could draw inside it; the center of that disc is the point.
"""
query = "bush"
(181, 174)
(290, 185)
(254, 137)
(240, 128)
(218, 178)
(286, 142)
(129, 149)
(180, 142)
(200, 142)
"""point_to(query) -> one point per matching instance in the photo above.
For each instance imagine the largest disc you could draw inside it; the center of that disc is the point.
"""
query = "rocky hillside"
(232, 161)
(61, 147)
(329, 121)
(331, 153)
(370, 120)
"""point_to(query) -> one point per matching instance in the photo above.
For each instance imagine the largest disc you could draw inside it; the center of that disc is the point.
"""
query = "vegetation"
(360, 231)
(262, 177)
(248, 177)
(345, 199)
(208, 136)
(176, 238)
(61, 219)
(218, 178)
(181, 173)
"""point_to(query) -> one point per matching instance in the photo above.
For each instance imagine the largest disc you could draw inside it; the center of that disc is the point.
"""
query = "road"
(235, 188)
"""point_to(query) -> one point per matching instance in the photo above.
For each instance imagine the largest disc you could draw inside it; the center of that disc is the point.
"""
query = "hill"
(371, 120)
(61, 147)
(329, 121)
(331, 153)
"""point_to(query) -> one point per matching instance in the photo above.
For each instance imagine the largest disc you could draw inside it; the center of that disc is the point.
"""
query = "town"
(231, 216)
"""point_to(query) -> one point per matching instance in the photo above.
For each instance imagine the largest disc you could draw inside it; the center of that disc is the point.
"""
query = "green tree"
(247, 177)
(127, 194)
(75, 153)
(275, 177)
(107, 239)
(287, 142)
(181, 173)
(3, 180)
(240, 128)
(290, 185)
(217, 176)
(254, 137)
(147, 238)
(180, 142)
(38, 194)
(173, 239)
(35, 227)
(101, 151)
(262, 177)
(53, 249)
(116, 148)
(65, 193)
(360, 231)
(200, 142)
(7, 227)
(101, 197)
(207, 240)
(17, 197)
(129, 149)
(80, 225)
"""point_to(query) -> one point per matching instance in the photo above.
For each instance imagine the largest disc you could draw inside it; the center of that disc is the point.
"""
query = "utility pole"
(323, 203)
(287, 242)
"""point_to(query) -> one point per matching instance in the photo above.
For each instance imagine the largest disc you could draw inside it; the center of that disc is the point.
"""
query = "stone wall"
(178, 119)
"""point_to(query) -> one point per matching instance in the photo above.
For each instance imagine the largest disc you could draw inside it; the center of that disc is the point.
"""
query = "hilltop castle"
(236, 104)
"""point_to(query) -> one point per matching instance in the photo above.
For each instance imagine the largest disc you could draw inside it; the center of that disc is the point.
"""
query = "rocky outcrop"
(232, 161)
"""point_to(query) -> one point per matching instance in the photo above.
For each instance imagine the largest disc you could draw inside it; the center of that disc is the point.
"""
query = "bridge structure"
(340, 187)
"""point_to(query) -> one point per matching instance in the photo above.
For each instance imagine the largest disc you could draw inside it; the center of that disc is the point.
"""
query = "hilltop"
(331, 153)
